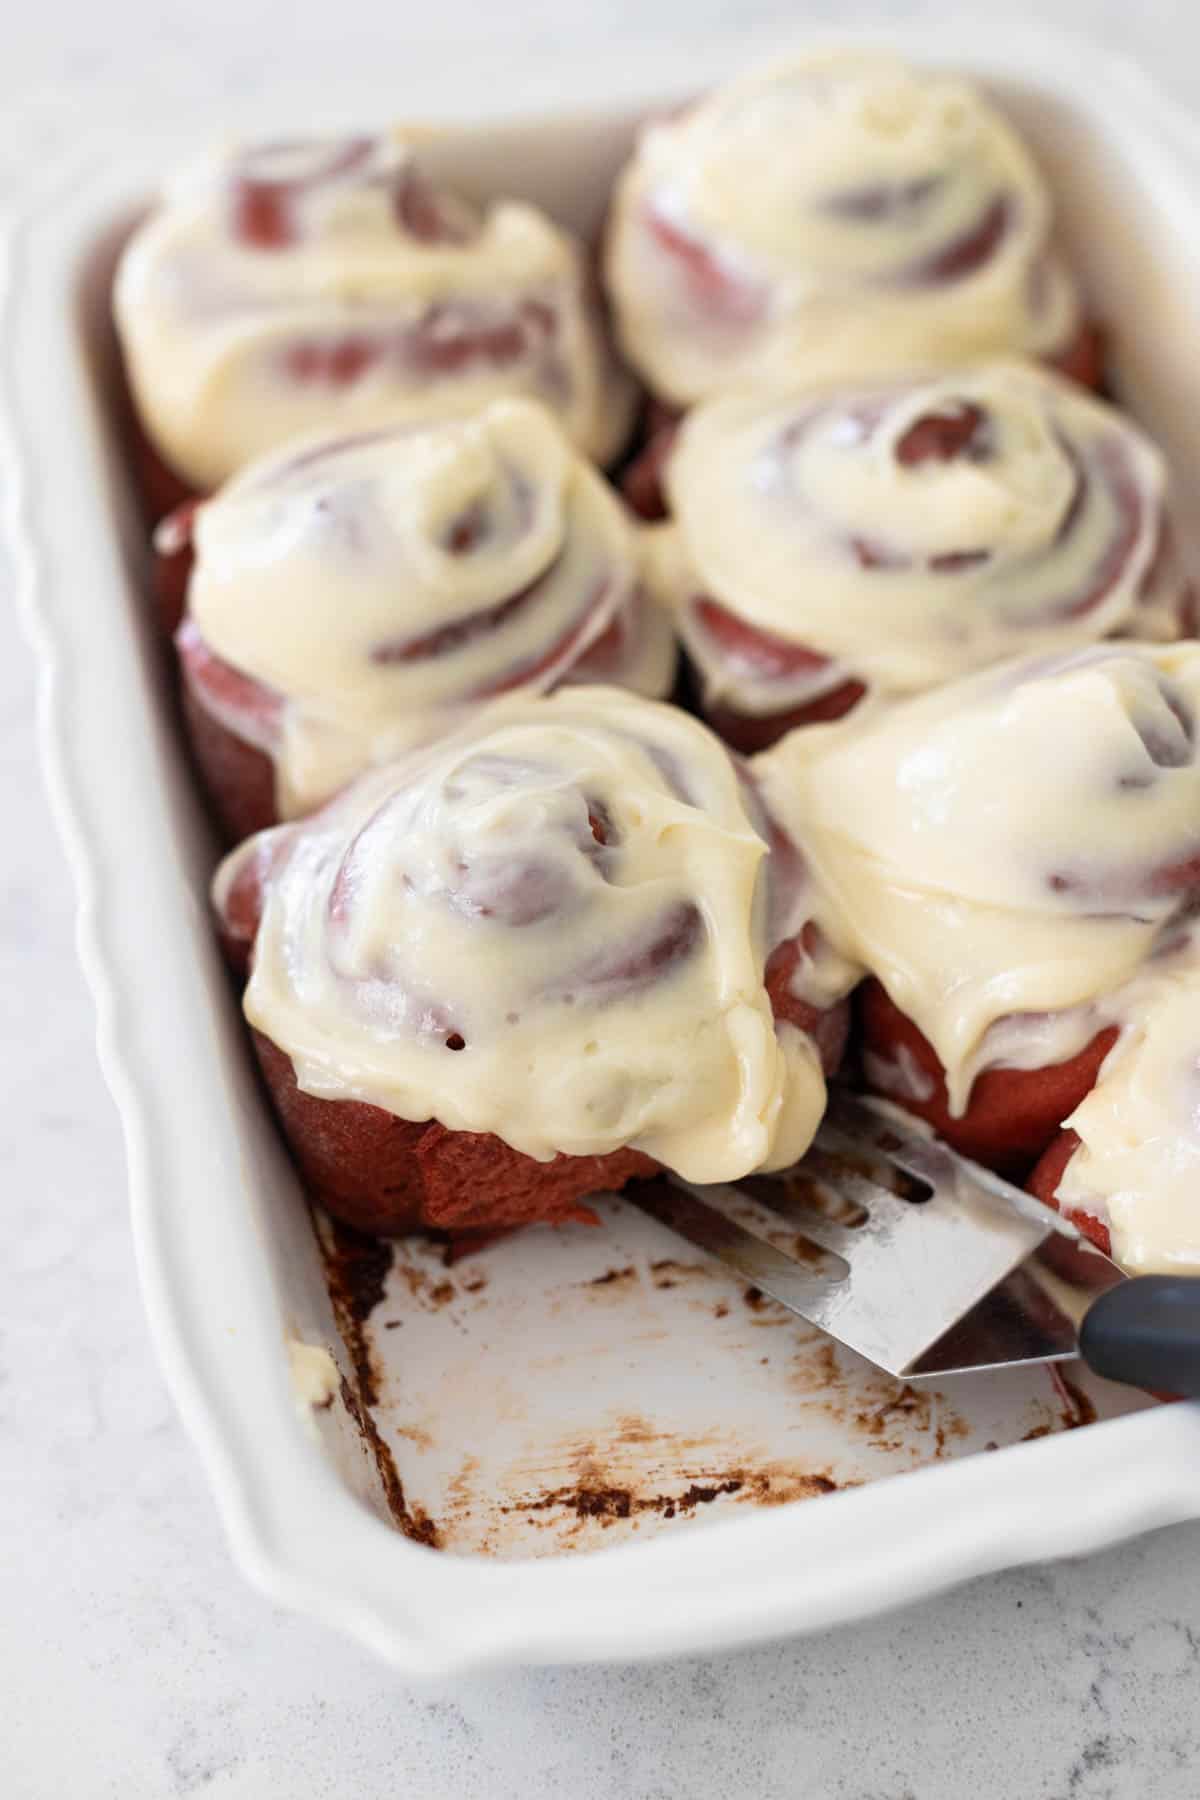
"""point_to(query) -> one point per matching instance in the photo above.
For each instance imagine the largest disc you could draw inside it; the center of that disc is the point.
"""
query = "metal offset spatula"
(920, 1260)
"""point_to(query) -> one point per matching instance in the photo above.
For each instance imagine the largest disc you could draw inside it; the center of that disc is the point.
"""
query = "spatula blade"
(926, 1278)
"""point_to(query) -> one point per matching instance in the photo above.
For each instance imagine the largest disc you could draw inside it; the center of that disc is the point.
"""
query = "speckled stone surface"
(134, 1662)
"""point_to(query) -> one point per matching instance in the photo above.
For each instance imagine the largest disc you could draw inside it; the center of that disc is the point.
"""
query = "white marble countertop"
(134, 1662)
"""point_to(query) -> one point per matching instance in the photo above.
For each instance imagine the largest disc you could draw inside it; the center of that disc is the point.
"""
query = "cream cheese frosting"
(284, 288)
(314, 1374)
(907, 532)
(830, 214)
(1005, 853)
(375, 588)
(551, 926)
(1138, 1162)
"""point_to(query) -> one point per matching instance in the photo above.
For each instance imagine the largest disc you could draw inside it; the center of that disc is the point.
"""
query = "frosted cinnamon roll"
(324, 284)
(889, 537)
(528, 963)
(1126, 1168)
(833, 214)
(354, 597)
(1004, 857)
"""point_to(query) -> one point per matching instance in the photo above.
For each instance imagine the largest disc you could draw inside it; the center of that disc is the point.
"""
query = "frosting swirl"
(1005, 853)
(353, 597)
(901, 534)
(831, 214)
(287, 287)
(552, 926)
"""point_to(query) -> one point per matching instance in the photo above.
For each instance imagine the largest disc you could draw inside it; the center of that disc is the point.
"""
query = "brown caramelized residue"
(459, 1490)
(430, 1294)
(607, 1503)
(1078, 1407)
(905, 1403)
(953, 1427)
(356, 1272)
(905, 1407)
(666, 1272)
(768, 1312)
(893, 1417)
(826, 1368)
(413, 1521)
(595, 1498)
(635, 1430)
(363, 1266)
(780, 1486)
(415, 1434)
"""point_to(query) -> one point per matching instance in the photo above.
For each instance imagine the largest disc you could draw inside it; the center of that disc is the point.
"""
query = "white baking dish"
(562, 1391)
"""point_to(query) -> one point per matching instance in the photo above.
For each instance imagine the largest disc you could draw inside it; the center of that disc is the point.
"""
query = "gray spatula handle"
(1146, 1331)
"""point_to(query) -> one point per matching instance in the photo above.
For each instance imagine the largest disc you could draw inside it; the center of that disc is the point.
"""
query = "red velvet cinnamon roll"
(356, 596)
(833, 214)
(887, 537)
(1010, 858)
(325, 284)
(1126, 1170)
(553, 951)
